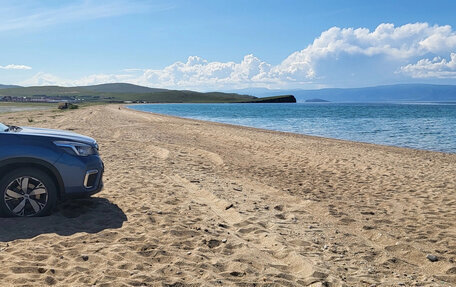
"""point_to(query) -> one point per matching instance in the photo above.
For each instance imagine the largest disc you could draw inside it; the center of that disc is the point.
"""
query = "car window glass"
(3, 127)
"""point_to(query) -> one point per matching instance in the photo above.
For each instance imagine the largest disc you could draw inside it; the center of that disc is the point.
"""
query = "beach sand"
(205, 204)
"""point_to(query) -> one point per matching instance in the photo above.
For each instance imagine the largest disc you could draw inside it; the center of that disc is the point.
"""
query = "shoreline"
(292, 133)
(197, 203)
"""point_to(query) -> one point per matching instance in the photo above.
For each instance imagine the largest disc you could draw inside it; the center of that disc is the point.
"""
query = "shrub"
(64, 106)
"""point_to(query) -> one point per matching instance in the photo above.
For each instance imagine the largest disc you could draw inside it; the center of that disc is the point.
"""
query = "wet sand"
(196, 203)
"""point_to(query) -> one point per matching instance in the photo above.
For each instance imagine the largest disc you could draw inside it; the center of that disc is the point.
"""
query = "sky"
(208, 45)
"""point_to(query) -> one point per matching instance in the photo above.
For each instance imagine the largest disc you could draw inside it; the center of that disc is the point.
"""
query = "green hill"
(120, 92)
(8, 86)
(120, 88)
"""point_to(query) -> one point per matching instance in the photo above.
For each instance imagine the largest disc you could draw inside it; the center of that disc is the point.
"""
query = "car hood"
(61, 134)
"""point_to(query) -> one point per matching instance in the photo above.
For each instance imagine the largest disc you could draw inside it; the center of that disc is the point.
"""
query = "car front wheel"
(27, 192)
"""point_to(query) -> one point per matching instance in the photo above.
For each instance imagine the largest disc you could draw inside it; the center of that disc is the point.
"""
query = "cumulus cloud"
(197, 71)
(387, 43)
(44, 79)
(339, 56)
(15, 67)
(436, 68)
(47, 79)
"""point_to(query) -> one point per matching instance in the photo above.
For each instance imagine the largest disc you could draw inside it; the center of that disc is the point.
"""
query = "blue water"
(421, 126)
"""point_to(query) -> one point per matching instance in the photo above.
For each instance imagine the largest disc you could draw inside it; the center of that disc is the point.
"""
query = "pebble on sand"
(432, 258)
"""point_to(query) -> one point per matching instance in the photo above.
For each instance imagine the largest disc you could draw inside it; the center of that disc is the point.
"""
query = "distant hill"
(389, 93)
(121, 92)
(9, 86)
(120, 88)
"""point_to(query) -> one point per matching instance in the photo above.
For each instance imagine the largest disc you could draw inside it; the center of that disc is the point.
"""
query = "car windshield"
(3, 128)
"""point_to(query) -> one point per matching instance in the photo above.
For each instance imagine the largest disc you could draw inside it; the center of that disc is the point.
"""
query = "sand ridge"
(201, 204)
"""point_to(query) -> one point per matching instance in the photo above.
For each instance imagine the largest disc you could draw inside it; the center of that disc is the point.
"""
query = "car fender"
(27, 161)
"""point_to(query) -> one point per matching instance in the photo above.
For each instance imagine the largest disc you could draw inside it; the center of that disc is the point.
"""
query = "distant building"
(6, 99)
(38, 99)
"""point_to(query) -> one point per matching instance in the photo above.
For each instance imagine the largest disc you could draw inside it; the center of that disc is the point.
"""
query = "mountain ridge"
(113, 92)
(118, 92)
(383, 93)
(9, 86)
(121, 88)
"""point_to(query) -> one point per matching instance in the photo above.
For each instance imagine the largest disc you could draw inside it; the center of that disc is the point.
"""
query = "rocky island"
(316, 101)
(275, 99)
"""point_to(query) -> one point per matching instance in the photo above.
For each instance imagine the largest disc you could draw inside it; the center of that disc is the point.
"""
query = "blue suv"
(39, 167)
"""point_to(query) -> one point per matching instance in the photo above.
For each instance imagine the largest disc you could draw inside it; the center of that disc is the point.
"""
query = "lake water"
(421, 126)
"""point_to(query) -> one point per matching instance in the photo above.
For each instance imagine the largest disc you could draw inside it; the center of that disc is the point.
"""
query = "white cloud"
(44, 79)
(47, 79)
(15, 67)
(436, 68)
(388, 42)
(197, 72)
(339, 56)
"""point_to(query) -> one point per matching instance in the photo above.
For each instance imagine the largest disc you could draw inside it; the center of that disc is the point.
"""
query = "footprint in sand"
(158, 152)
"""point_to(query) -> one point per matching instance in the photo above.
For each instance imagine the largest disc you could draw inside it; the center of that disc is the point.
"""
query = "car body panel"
(74, 169)
(62, 135)
(36, 146)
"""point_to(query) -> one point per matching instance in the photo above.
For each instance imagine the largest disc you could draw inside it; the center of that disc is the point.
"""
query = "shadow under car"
(90, 215)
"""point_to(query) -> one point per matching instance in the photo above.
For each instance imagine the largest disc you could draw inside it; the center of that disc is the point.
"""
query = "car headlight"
(77, 148)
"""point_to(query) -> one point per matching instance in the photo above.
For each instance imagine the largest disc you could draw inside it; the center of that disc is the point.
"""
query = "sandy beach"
(193, 203)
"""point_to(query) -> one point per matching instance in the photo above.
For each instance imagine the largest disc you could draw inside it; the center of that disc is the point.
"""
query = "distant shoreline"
(337, 121)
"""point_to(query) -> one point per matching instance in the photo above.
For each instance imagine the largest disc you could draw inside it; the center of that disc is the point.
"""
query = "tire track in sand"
(271, 248)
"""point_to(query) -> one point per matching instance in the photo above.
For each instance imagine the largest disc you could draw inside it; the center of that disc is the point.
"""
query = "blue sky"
(226, 45)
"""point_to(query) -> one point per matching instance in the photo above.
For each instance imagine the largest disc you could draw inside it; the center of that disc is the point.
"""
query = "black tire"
(39, 199)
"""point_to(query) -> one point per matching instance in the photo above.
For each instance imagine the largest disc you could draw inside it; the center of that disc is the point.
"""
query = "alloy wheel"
(26, 196)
